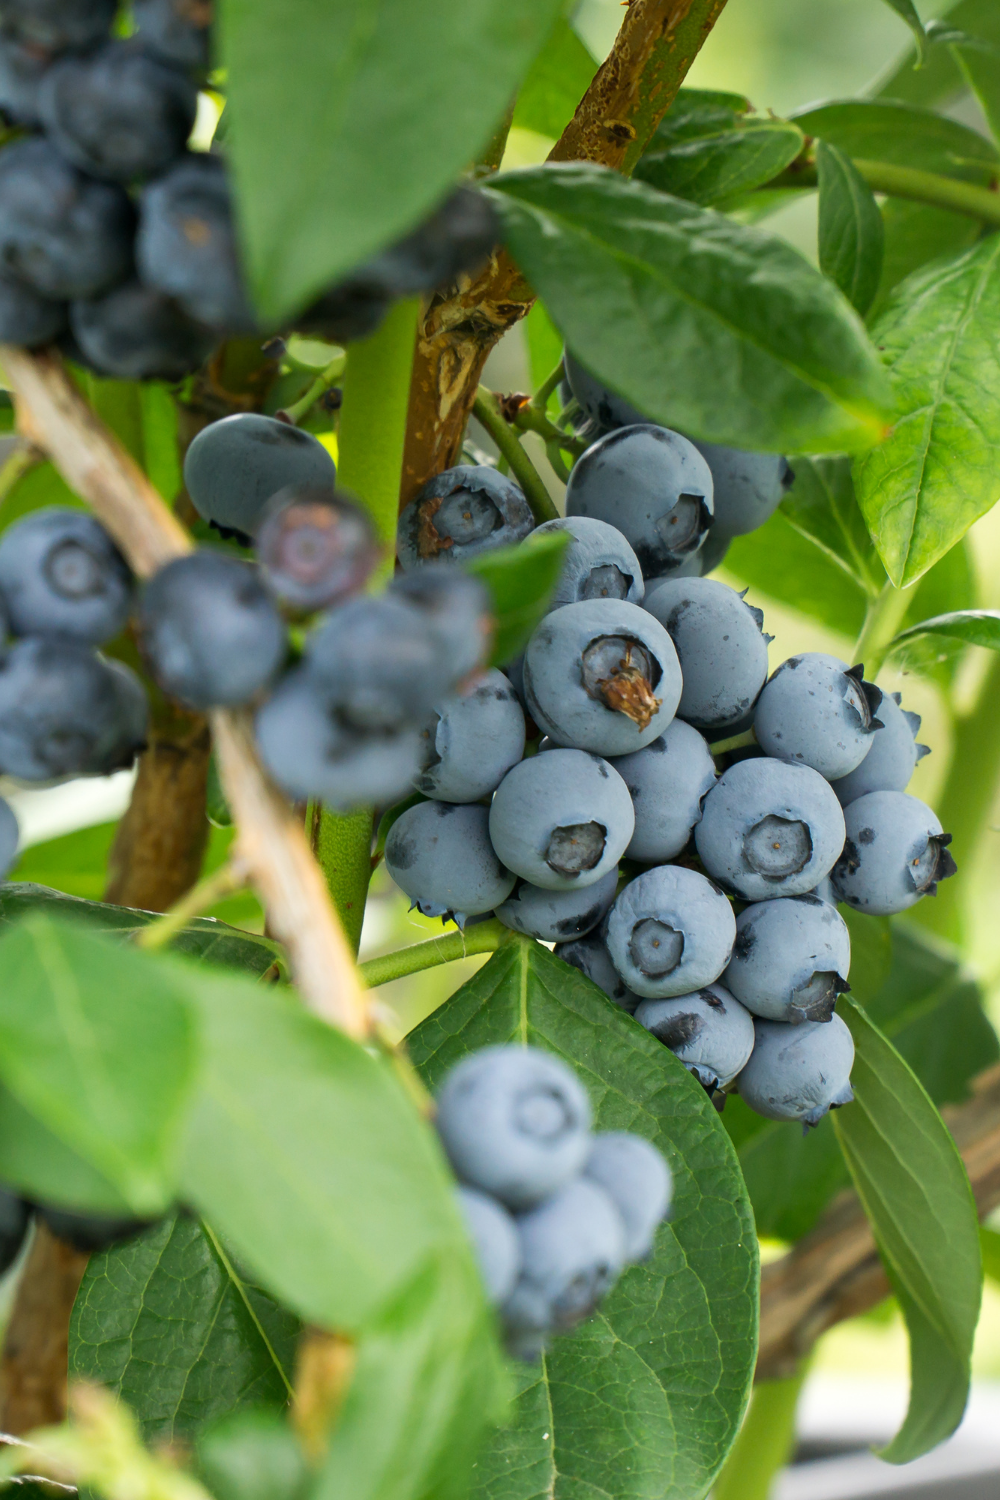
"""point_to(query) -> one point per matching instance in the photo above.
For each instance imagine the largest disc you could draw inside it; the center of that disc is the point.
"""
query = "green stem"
(910, 182)
(487, 409)
(320, 385)
(883, 617)
(764, 1443)
(214, 888)
(540, 400)
(485, 937)
(734, 742)
(530, 418)
(342, 843)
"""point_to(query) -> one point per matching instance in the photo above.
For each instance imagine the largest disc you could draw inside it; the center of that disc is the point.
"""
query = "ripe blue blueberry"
(312, 752)
(61, 574)
(135, 333)
(15, 1216)
(117, 113)
(234, 467)
(457, 610)
(668, 782)
(572, 1253)
(65, 711)
(462, 513)
(346, 312)
(64, 234)
(895, 852)
(597, 564)
(798, 1072)
(603, 676)
(90, 1233)
(590, 955)
(769, 829)
(26, 317)
(747, 487)
(653, 485)
(494, 1236)
(210, 630)
(791, 959)
(457, 237)
(10, 836)
(186, 246)
(637, 1180)
(22, 68)
(604, 407)
(720, 645)
(708, 1030)
(58, 24)
(893, 755)
(316, 549)
(515, 1123)
(558, 916)
(472, 740)
(816, 711)
(177, 30)
(670, 932)
(562, 819)
(440, 854)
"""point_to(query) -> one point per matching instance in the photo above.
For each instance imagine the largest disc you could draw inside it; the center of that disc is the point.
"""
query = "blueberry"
(62, 233)
(58, 24)
(670, 932)
(180, 31)
(514, 1121)
(720, 645)
(462, 513)
(440, 854)
(186, 246)
(590, 955)
(816, 711)
(210, 631)
(494, 1235)
(637, 1180)
(90, 1233)
(65, 711)
(459, 236)
(15, 1216)
(653, 485)
(747, 487)
(668, 781)
(895, 852)
(604, 407)
(10, 836)
(602, 676)
(472, 740)
(892, 757)
(61, 574)
(768, 829)
(798, 1072)
(26, 317)
(558, 916)
(22, 68)
(791, 959)
(572, 1253)
(597, 564)
(117, 113)
(709, 1030)
(456, 608)
(316, 548)
(234, 467)
(345, 313)
(313, 753)
(134, 333)
(562, 819)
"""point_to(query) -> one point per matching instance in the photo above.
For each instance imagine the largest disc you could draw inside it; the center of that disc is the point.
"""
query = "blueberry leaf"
(908, 11)
(913, 1185)
(822, 506)
(891, 131)
(176, 1289)
(709, 147)
(921, 490)
(556, 82)
(850, 228)
(663, 1369)
(520, 580)
(976, 627)
(712, 327)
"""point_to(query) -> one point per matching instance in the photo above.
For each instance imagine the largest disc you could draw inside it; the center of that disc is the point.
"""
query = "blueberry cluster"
(116, 240)
(555, 1212)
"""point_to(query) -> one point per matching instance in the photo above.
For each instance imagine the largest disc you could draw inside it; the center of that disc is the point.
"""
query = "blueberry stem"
(320, 385)
(540, 400)
(765, 1440)
(487, 409)
(485, 937)
(734, 742)
(907, 182)
(530, 418)
(208, 892)
(883, 617)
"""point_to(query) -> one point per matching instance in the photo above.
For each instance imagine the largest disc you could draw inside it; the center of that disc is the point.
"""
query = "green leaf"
(45, 1168)
(720, 330)
(980, 66)
(915, 1191)
(252, 1455)
(96, 1043)
(989, 1241)
(977, 627)
(778, 562)
(545, 346)
(74, 864)
(908, 12)
(850, 228)
(936, 473)
(915, 233)
(790, 1177)
(337, 165)
(520, 580)
(555, 83)
(940, 80)
(169, 1324)
(822, 506)
(709, 147)
(662, 1372)
(143, 416)
(904, 135)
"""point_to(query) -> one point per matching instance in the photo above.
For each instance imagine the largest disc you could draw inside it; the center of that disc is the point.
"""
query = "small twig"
(484, 937)
(734, 742)
(318, 388)
(540, 400)
(487, 409)
(222, 882)
(529, 418)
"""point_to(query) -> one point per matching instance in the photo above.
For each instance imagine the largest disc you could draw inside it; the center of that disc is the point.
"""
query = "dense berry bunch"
(555, 1212)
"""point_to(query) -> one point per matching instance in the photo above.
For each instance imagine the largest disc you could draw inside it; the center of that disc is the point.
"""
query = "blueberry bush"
(269, 536)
